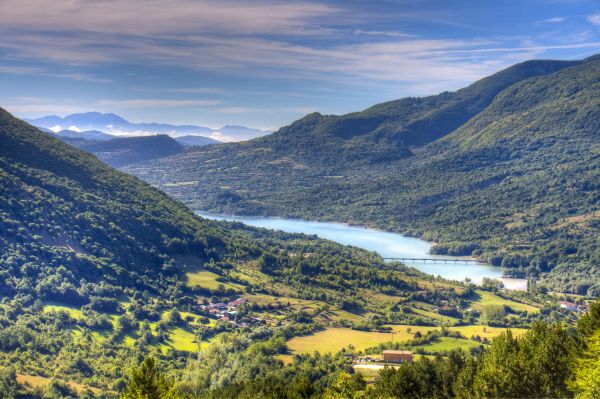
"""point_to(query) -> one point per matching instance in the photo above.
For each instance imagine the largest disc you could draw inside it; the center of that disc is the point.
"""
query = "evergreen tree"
(147, 382)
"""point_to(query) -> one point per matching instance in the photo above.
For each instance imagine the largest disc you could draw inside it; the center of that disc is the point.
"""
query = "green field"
(73, 311)
(489, 333)
(335, 339)
(333, 314)
(208, 280)
(488, 298)
(445, 320)
(204, 279)
(181, 338)
(444, 344)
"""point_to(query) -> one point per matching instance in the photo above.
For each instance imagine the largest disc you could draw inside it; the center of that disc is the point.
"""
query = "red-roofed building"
(395, 356)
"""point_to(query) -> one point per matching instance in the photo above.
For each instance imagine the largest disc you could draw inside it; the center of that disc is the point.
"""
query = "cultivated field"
(335, 339)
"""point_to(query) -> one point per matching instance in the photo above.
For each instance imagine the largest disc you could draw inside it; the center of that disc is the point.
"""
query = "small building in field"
(396, 356)
(569, 306)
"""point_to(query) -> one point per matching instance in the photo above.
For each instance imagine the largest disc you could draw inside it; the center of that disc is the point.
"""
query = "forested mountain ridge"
(121, 151)
(67, 202)
(505, 169)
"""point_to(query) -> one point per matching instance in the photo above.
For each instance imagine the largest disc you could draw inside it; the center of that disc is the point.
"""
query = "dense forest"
(109, 287)
(505, 170)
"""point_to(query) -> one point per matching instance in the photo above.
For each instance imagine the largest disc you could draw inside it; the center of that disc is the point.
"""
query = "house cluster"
(224, 311)
(573, 307)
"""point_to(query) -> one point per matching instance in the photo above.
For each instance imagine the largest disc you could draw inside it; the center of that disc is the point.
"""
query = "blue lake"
(388, 245)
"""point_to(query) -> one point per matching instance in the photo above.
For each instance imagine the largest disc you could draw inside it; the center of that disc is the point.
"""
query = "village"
(229, 312)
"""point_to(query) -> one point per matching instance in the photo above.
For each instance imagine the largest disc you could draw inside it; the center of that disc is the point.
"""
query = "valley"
(489, 171)
(387, 245)
(70, 287)
(103, 274)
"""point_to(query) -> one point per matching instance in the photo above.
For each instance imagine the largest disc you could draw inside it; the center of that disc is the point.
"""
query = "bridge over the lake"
(436, 260)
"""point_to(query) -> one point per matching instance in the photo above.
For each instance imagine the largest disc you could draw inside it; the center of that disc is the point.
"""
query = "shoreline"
(225, 216)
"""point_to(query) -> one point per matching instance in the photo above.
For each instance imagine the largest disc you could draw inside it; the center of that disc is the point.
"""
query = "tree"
(492, 313)
(173, 317)
(346, 386)
(8, 382)
(590, 322)
(147, 382)
(586, 383)
(536, 365)
(58, 389)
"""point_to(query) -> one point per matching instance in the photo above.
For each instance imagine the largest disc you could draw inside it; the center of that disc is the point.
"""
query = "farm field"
(335, 339)
(39, 382)
(332, 314)
(204, 279)
(446, 320)
(488, 298)
(444, 344)
(486, 331)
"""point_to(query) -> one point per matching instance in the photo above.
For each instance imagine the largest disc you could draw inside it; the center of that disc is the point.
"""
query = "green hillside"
(98, 269)
(506, 170)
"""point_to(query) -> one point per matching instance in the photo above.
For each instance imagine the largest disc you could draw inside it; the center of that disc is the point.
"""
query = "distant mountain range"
(116, 125)
(118, 151)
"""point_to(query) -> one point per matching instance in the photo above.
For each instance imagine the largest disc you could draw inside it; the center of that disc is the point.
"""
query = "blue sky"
(266, 63)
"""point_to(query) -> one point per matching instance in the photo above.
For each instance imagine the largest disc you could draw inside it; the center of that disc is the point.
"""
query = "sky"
(265, 63)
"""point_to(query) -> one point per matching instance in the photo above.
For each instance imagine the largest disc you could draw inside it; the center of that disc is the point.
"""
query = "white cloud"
(36, 106)
(118, 132)
(594, 19)
(157, 103)
(382, 33)
(216, 135)
(74, 128)
(56, 128)
(555, 20)
(258, 38)
(146, 18)
(27, 70)
(236, 110)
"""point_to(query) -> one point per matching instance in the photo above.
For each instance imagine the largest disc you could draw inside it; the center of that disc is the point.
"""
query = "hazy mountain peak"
(116, 125)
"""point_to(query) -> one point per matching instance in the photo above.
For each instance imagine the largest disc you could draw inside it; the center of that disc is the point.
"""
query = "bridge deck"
(435, 260)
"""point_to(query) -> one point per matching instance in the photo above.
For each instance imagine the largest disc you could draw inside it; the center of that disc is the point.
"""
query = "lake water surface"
(388, 245)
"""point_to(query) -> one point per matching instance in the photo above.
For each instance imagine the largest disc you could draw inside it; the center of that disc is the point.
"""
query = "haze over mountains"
(115, 125)
(491, 170)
